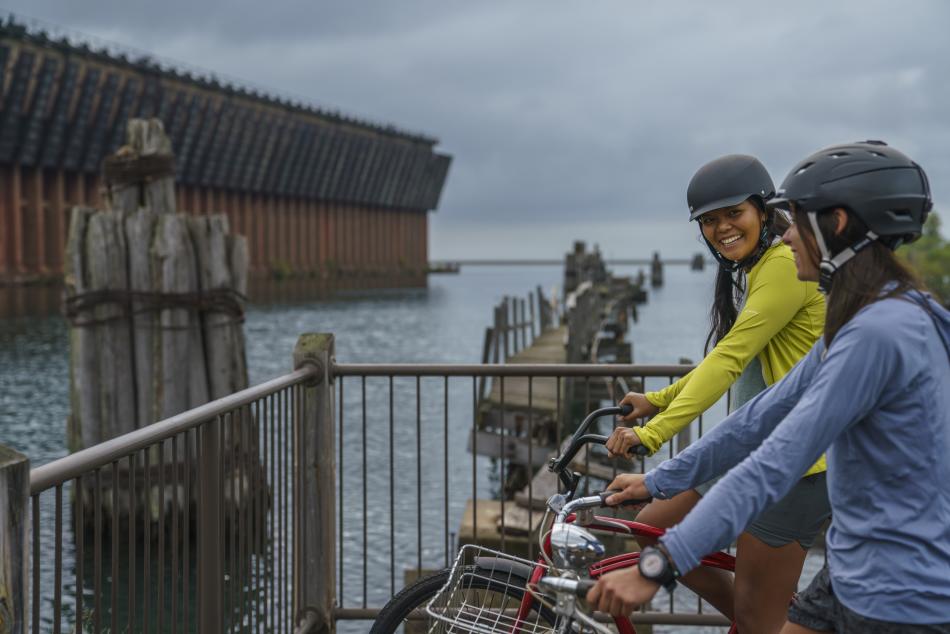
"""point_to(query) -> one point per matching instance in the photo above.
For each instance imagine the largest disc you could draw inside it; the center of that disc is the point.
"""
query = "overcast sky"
(575, 120)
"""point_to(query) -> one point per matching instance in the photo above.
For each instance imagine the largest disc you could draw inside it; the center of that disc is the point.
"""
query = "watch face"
(652, 564)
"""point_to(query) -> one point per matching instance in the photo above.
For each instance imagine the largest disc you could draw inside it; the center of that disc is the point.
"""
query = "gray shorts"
(799, 516)
(817, 608)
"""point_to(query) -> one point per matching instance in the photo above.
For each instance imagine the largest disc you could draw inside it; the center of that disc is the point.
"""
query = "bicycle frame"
(570, 480)
(721, 560)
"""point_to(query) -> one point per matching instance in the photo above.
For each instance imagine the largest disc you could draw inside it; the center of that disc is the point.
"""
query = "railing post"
(532, 318)
(210, 559)
(14, 541)
(506, 320)
(315, 517)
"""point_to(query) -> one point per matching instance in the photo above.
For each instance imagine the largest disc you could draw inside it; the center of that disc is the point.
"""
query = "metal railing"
(407, 477)
(186, 525)
(301, 504)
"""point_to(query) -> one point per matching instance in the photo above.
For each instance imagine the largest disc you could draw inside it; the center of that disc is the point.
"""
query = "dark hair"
(861, 280)
(728, 291)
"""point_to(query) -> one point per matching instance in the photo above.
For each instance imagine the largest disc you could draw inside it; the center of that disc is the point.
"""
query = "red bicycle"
(489, 592)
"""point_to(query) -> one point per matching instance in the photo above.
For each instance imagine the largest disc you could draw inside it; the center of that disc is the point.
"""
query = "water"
(442, 324)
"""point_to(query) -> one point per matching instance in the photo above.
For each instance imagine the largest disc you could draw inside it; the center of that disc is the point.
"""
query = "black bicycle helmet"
(878, 184)
(726, 182)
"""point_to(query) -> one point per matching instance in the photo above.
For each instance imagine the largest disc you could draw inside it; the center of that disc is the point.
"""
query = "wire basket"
(484, 594)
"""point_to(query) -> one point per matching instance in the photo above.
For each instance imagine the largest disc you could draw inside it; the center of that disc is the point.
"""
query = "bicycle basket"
(483, 595)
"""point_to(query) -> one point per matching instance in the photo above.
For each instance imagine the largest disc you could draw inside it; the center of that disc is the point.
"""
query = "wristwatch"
(655, 565)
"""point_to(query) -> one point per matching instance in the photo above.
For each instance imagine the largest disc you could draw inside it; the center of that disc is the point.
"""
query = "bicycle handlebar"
(636, 450)
(581, 437)
(578, 587)
(631, 502)
(597, 500)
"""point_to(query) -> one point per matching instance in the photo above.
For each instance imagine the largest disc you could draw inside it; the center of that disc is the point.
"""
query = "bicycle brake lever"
(557, 501)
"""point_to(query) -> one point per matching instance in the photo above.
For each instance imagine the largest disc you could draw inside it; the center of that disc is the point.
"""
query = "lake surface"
(443, 323)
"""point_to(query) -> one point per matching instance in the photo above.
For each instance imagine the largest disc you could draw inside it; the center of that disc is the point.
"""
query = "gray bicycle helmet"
(726, 182)
(878, 184)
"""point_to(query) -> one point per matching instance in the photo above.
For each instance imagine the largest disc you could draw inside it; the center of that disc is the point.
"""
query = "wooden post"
(516, 323)
(656, 270)
(506, 320)
(531, 309)
(486, 353)
(542, 312)
(14, 541)
(522, 305)
(164, 337)
(500, 333)
(314, 463)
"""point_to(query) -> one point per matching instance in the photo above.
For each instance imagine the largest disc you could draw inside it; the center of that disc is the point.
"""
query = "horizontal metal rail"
(85, 461)
(503, 369)
(560, 262)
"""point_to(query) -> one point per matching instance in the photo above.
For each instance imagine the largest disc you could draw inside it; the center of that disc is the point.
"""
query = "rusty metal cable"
(128, 303)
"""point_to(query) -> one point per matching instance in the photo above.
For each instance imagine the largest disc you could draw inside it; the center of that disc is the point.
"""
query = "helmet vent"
(899, 214)
(876, 153)
(803, 168)
(838, 155)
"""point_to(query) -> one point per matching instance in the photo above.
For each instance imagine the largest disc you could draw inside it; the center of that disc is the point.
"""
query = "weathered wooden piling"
(155, 300)
(581, 266)
(14, 541)
(656, 270)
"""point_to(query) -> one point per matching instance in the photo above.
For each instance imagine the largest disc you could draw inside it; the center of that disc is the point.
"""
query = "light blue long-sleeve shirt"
(879, 403)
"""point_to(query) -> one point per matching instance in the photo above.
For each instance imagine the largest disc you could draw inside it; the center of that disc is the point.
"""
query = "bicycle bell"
(574, 547)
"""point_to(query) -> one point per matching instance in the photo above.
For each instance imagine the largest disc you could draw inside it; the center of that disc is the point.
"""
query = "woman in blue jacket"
(874, 392)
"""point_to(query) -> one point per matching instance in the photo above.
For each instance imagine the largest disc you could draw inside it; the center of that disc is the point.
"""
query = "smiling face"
(733, 231)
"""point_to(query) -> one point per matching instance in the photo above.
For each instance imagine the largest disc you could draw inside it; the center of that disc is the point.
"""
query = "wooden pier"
(520, 421)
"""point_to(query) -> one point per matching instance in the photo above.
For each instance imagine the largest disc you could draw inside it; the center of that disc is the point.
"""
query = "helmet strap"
(829, 264)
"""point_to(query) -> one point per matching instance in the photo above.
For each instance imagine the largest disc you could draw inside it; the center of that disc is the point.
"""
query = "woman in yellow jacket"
(763, 321)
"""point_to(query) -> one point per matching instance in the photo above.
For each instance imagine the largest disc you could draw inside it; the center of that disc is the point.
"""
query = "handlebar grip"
(583, 587)
(634, 502)
(638, 450)
(625, 409)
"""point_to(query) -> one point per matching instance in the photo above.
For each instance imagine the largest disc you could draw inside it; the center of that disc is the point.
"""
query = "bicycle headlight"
(574, 547)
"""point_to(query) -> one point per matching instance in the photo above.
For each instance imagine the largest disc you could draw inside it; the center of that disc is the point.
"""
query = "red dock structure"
(315, 192)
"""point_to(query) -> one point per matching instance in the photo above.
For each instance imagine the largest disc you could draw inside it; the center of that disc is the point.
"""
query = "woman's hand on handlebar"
(641, 406)
(621, 440)
(632, 486)
(621, 592)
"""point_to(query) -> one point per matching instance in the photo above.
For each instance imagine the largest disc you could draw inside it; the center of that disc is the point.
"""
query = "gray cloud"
(562, 113)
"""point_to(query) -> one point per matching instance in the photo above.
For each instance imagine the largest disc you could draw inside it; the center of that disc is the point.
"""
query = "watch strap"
(668, 577)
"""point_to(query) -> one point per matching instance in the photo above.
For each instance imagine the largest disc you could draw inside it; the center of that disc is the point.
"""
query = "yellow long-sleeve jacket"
(780, 321)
